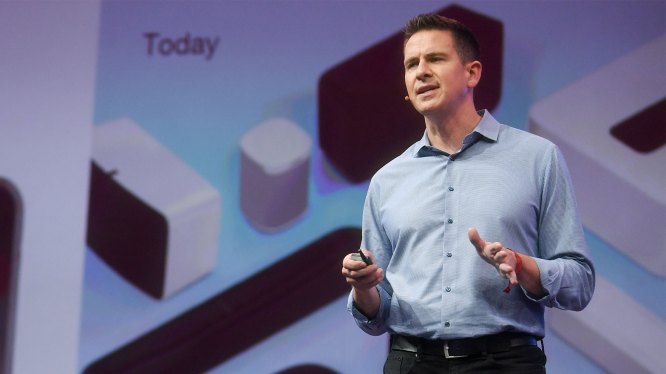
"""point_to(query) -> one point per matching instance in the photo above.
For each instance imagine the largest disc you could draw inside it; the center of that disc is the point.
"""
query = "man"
(426, 211)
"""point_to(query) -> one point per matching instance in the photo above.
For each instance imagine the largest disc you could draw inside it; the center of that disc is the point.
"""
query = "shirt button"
(450, 188)
(450, 220)
(449, 254)
(448, 289)
(447, 324)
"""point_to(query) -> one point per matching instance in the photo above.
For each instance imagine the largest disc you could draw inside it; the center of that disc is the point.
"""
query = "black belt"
(462, 347)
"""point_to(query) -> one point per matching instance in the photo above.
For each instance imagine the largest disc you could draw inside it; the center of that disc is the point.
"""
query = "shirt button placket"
(448, 255)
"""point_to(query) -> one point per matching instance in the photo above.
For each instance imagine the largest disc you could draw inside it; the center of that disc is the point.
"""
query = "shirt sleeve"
(375, 240)
(567, 274)
(377, 325)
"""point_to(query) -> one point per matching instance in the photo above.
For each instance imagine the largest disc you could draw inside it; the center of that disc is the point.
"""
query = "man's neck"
(447, 132)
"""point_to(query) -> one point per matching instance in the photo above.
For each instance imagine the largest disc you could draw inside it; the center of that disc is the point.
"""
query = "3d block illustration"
(235, 319)
(151, 217)
(624, 338)
(620, 189)
(365, 94)
(275, 166)
(10, 231)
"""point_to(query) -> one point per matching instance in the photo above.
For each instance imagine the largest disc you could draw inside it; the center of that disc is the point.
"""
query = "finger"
(475, 239)
(363, 271)
(508, 272)
(513, 278)
(352, 264)
(497, 248)
(500, 255)
(369, 279)
(366, 281)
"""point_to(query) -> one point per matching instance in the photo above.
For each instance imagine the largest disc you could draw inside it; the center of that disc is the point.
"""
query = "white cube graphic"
(151, 217)
(621, 192)
(275, 163)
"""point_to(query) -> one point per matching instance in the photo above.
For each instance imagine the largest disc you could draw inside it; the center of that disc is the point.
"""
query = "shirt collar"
(487, 128)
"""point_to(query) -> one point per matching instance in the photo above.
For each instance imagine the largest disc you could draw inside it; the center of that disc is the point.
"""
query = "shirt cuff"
(375, 326)
(549, 273)
(357, 314)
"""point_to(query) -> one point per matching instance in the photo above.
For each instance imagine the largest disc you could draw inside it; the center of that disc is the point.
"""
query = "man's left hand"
(494, 253)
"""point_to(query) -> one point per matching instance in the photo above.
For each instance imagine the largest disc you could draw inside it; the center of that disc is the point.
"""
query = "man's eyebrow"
(437, 54)
(427, 55)
(410, 60)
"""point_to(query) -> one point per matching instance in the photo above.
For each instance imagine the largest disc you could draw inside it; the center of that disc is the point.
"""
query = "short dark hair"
(466, 44)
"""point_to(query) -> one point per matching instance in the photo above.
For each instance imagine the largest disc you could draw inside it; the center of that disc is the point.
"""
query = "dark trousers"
(523, 359)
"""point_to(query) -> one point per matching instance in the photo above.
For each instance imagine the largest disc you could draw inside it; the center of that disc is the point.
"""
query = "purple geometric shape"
(364, 120)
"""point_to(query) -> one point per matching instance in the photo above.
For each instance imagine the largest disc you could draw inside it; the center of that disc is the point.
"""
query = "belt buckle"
(446, 352)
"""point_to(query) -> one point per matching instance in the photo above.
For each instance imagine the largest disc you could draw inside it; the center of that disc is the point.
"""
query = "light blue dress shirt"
(514, 187)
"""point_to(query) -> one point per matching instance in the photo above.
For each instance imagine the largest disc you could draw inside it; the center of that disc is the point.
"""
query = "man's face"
(435, 77)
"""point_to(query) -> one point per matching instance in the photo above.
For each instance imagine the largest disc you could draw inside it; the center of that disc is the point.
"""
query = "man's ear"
(474, 70)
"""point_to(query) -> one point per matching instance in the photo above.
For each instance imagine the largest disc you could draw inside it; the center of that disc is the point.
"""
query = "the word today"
(181, 46)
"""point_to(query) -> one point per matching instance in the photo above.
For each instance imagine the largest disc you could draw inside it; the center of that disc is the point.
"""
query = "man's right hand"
(359, 275)
(364, 279)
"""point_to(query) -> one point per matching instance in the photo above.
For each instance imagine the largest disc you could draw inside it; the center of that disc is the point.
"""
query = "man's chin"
(425, 108)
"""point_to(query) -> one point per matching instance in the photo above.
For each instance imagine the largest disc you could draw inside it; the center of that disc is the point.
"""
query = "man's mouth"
(426, 88)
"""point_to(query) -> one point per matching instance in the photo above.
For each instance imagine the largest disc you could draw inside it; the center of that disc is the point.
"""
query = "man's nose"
(422, 70)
